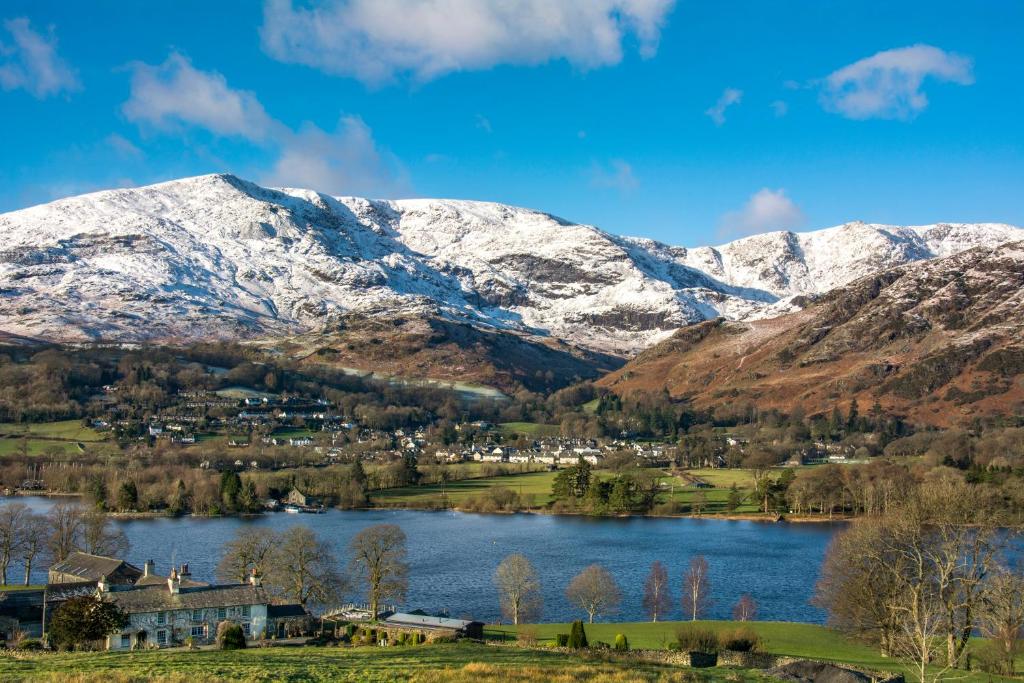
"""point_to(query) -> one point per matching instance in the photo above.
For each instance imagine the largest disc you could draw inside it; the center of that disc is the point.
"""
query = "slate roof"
(157, 580)
(134, 599)
(91, 567)
(283, 610)
(425, 621)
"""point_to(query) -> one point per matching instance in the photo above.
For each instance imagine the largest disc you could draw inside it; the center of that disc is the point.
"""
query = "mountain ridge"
(217, 256)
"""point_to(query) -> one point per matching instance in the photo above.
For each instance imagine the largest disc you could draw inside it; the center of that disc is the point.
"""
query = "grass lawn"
(529, 428)
(537, 484)
(458, 663)
(68, 430)
(782, 638)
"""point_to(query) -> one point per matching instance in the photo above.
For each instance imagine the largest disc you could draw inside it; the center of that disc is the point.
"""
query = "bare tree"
(518, 589)
(1002, 618)
(745, 608)
(594, 591)
(657, 598)
(303, 568)
(378, 559)
(66, 526)
(99, 538)
(13, 518)
(34, 546)
(249, 551)
(696, 588)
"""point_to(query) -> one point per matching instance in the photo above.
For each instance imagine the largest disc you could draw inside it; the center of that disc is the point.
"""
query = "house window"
(246, 629)
(161, 638)
(197, 615)
(161, 617)
(222, 613)
(126, 640)
(245, 611)
(199, 631)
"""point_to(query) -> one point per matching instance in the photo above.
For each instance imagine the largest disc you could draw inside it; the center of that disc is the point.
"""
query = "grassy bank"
(458, 663)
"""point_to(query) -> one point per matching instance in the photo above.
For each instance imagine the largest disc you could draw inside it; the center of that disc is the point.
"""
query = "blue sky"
(690, 122)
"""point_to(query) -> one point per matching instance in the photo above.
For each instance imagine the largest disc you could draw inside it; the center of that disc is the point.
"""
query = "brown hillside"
(939, 342)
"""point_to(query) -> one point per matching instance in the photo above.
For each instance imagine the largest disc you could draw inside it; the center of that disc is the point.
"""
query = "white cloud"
(32, 62)
(617, 174)
(780, 108)
(483, 123)
(347, 161)
(377, 41)
(766, 210)
(729, 97)
(123, 146)
(175, 93)
(888, 84)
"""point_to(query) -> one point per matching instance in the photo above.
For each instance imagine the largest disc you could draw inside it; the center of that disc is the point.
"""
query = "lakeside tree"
(249, 551)
(657, 600)
(378, 559)
(34, 548)
(98, 537)
(1002, 618)
(745, 608)
(696, 598)
(303, 568)
(594, 591)
(518, 589)
(83, 620)
(66, 525)
(13, 520)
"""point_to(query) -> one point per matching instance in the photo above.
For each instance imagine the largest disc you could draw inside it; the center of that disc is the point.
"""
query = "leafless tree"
(66, 525)
(745, 608)
(99, 538)
(1002, 618)
(696, 588)
(378, 559)
(250, 550)
(594, 591)
(34, 547)
(518, 589)
(657, 598)
(304, 568)
(13, 518)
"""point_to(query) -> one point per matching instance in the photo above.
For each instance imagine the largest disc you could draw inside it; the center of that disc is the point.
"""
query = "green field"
(66, 437)
(529, 428)
(458, 663)
(537, 484)
(782, 638)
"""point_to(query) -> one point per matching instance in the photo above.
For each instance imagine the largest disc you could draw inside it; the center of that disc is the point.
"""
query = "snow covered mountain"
(216, 256)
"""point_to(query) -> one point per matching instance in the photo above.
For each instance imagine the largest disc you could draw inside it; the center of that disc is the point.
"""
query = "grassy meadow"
(66, 437)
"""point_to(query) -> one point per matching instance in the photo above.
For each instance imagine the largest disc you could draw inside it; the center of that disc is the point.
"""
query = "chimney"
(148, 568)
(255, 579)
(173, 582)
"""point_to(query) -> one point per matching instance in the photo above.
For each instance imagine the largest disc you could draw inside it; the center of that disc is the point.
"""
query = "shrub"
(350, 630)
(30, 644)
(740, 639)
(230, 636)
(577, 636)
(696, 639)
(527, 635)
(562, 640)
(620, 642)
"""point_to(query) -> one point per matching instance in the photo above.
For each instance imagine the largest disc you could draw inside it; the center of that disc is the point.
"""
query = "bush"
(527, 635)
(620, 642)
(577, 636)
(740, 639)
(696, 639)
(350, 630)
(230, 636)
(562, 640)
(30, 644)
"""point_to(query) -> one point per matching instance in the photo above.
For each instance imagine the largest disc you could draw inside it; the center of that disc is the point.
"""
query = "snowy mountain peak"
(216, 256)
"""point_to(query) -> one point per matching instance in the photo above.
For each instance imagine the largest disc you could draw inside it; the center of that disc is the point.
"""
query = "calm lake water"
(453, 555)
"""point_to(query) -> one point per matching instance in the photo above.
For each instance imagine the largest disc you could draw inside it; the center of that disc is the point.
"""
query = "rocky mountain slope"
(941, 342)
(216, 256)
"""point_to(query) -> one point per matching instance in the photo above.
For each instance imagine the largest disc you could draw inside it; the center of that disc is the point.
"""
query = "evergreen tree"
(577, 636)
(853, 418)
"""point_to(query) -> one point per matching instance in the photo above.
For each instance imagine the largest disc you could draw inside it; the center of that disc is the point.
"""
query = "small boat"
(293, 509)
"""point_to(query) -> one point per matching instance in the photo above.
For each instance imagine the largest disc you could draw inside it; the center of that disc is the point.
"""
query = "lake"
(453, 555)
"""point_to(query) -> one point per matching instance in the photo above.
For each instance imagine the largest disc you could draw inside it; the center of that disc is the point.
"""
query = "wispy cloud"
(123, 146)
(888, 84)
(617, 174)
(377, 41)
(766, 210)
(176, 95)
(484, 123)
(32, 62)
(779, 108)
(729, 97)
